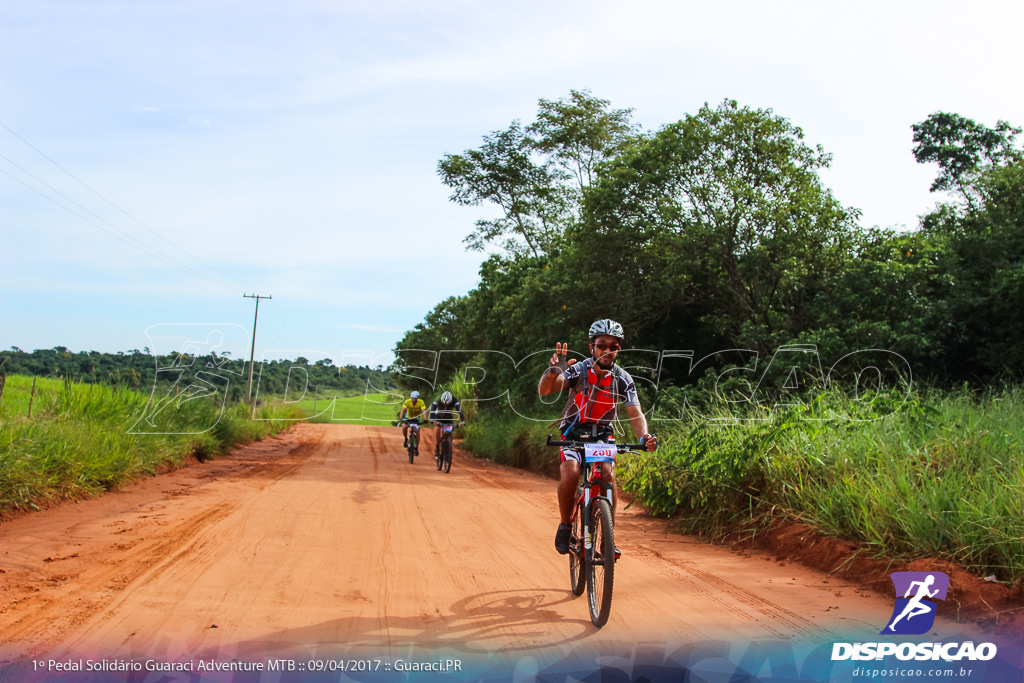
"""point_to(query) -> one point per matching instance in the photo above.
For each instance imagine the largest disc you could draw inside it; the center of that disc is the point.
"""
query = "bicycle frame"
(593, 486)
(444, 458)
(414, 434)
(414, 425)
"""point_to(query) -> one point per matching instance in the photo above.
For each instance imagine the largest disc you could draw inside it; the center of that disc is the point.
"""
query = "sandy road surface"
(325, 541)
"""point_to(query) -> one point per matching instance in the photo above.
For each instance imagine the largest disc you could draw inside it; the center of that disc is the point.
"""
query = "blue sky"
(161, 159)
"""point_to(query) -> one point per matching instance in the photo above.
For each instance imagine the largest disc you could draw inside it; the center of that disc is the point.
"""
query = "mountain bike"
(592, 552)
(444, 460)
(414, 436)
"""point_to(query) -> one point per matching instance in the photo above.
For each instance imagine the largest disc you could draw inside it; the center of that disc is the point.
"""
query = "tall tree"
(504, 172)
(961, 147)
(581, 131)
(536, 175)
(722, 212)
(982, 265)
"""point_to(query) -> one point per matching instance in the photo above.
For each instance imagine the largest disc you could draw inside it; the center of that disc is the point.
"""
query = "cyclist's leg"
(569, 472)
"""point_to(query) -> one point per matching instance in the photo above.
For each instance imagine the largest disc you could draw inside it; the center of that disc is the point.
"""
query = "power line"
(114, 231)
(111, 203)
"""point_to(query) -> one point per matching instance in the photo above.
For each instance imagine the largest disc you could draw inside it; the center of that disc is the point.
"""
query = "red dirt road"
(326, 541)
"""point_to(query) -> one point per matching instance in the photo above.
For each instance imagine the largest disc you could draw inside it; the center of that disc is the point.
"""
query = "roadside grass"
(514, 441)
(941, 476)
(910, 475)
(83, 439)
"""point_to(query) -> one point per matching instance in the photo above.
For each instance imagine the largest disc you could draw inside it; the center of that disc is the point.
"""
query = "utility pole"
(252, 353)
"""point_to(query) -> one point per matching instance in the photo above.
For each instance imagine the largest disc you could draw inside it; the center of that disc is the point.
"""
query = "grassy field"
(82, 439)
(368, 409)
(936, 475)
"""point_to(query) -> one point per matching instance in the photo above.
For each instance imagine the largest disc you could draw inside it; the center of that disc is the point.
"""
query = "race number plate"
(599, 452)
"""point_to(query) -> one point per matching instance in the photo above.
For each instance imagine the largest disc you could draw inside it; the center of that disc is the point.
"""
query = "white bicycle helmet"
(414, 395)
(446, 398)
(607, 327)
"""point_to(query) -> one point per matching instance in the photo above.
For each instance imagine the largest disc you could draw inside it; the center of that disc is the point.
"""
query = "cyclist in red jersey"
(599, 385)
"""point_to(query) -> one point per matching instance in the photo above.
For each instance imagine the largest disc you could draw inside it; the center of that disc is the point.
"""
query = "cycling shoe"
(562, 537)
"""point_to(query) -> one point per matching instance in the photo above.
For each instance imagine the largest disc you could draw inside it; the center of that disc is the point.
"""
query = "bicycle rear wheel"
(446, 454)
(601, 570)
(577, 553)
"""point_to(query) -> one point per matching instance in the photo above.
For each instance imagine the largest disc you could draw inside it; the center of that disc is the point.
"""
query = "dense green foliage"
(83, 438)
(779, 346)
(715, 232)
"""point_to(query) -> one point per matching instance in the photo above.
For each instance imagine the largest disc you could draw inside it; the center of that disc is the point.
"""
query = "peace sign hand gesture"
(552, 381)
(558, 359)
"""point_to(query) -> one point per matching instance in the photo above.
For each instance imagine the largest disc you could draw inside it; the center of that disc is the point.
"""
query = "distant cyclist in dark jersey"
(598, 386)
(446, 410)
(412, 407)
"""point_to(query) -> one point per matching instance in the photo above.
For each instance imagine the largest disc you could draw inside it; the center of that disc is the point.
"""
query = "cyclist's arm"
(639, 423)
(550, 383)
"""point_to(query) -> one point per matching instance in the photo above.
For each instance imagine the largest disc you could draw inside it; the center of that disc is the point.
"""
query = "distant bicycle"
(592, 551)
(444, 459)
(414, 436)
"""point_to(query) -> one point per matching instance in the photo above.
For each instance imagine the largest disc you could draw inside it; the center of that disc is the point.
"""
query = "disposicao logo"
(914, 613)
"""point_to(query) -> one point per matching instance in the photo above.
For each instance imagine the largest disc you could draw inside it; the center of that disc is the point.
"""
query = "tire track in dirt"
(131, 543)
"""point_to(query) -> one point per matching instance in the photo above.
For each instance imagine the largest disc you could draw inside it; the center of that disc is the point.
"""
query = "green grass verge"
(82, 439)
(514, 441)
(941, 476)
(936, 475)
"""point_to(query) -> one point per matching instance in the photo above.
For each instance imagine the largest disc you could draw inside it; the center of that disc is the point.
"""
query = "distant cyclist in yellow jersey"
(412, 407)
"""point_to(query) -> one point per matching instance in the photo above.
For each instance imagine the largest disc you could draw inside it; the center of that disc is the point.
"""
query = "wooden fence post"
(32, 397)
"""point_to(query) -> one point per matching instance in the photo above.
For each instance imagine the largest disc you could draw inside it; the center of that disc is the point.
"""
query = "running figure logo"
(914, 613)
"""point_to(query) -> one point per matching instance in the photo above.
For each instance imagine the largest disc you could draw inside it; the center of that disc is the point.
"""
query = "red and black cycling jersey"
(595, 401)
(449, 415)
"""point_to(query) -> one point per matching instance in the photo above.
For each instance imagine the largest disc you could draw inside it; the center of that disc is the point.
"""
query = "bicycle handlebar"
(620, 447)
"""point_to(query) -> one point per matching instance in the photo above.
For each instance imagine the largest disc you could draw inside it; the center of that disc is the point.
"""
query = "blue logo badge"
(915, 610)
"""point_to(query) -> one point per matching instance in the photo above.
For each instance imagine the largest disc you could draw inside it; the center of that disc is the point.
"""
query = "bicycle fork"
(593, 489)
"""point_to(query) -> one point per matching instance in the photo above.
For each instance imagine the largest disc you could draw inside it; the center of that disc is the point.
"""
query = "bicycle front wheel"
(412, 447)
(601, 570)
(446, 454)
